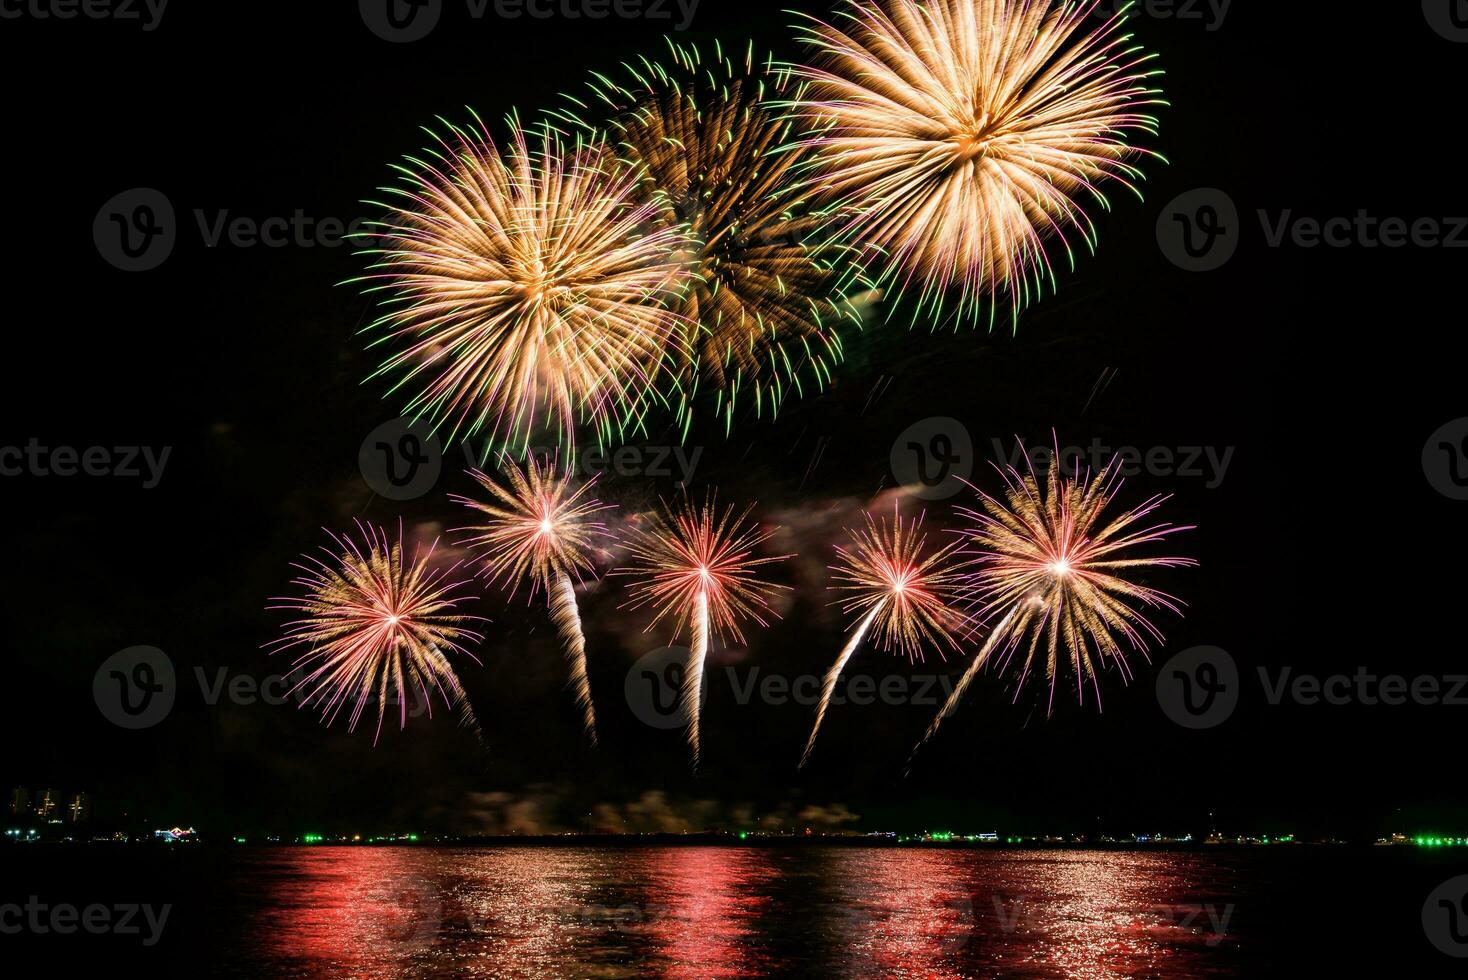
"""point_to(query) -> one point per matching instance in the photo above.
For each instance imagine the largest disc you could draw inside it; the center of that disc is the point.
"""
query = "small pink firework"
(542, 527)
(375, 626)
(901, 592)
(1057, 574)
(699, 568)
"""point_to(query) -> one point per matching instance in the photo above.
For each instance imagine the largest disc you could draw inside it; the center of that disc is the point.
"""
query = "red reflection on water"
(362, 911)
(694, 912)
(705, 901)
(905, 914)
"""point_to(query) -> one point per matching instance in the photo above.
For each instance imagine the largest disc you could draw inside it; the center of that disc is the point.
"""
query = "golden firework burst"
(713, 148)
(959, 137)
(526, 290)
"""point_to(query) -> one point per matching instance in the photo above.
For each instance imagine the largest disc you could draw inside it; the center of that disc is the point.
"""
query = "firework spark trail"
(719, 158)
(693, 675)
(959, 689)
(542, 528)
(568, 622)
(828, 684)
(1058, 569)
(525, 289)
(905, 592)
(375, 625)
(698, 567)
(955, 137)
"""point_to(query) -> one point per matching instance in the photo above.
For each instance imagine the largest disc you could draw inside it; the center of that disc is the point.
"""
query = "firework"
(1058, 574)
(901, 592)
(374, 624)
(543, 528)
(762, 311)
(525, 290)
(960, 136)
(698, 567)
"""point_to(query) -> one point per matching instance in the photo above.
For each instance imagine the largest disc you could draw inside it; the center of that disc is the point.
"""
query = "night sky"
(1324, 370)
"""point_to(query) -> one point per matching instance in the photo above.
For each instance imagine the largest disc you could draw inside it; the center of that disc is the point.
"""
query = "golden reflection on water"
(691, 912)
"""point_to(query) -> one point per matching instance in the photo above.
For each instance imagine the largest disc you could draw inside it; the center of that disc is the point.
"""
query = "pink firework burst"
(375, 625)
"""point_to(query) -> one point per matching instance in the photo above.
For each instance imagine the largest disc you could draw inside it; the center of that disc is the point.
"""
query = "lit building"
(20, 801)
(80, 808)
(48, 803)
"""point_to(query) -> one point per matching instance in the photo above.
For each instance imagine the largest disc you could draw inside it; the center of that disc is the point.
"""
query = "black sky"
(1324, 548)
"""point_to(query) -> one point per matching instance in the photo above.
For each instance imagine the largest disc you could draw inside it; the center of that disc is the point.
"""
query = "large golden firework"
(711, 146)
(375, 627)
(528, 290)
(699, 567)
(541, 526)
(959, 136)
(1056, 577)
(902, 592)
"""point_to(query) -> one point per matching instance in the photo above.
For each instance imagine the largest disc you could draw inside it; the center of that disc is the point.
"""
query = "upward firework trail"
(711, 146)
(900, 592)
(525, 288)
(542, 528)
(1058, 573)
(375, 625)
(958, 136)
(699, 568)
